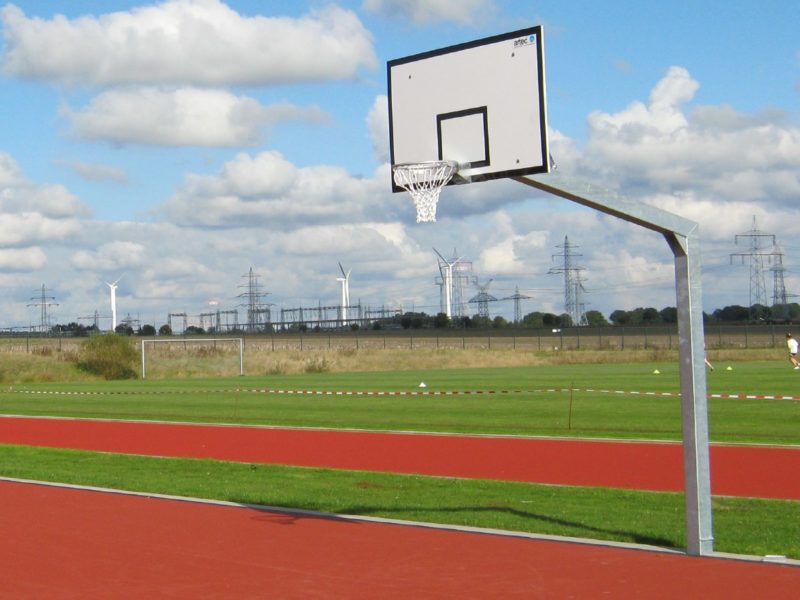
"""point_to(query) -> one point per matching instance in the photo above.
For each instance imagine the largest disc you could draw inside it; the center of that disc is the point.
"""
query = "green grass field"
(521, 404)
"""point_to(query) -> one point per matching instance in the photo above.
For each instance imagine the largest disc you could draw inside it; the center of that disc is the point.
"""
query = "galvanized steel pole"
(684, 241)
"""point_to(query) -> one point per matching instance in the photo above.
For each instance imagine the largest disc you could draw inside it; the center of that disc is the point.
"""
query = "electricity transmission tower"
(757, 255)
(258, 314)
(573, 283)
(780, 300)
(516, 298)
(483, 298)
(43, 302)
(778, 284)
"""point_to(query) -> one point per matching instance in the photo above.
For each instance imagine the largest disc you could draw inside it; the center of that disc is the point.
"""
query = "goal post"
(239, 341)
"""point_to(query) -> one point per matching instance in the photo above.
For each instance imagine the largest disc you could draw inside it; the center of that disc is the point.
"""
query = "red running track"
(60, 543)
(757, 471)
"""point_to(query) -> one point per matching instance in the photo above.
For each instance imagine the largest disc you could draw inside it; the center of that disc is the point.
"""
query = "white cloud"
(111, 257)
(25, 229)
(712, 151)
(182, 117)
(200, 42)
(429, 11)
(22, 259)
(713, 164)
(177, 268)
(35, 213)
(378, 127)
(95, 172)
(662, 116)
(10, 173)
(510, 254)
(266, 190)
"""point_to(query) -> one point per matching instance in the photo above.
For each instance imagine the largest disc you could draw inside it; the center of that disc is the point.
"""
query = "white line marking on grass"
(421, 393)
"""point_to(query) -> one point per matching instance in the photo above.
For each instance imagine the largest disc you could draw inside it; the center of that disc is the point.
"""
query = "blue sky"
(114, 159)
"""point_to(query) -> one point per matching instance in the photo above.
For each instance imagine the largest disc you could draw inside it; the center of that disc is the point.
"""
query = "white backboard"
(481, 104)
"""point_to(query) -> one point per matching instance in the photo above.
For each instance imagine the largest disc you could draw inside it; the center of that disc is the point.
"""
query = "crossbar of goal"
(194, 340)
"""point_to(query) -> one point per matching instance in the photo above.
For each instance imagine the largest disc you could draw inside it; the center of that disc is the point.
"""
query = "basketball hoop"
(424, 181)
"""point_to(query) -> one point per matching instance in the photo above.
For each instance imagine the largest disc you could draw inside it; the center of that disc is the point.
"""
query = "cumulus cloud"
(110, 257)
(378, 127)
(199, 42)
(429, 11)
(714, 151)
(25, 229)
(34, 213)
(22, 259)
(510, 252)
(713, 164)
(95, 172)
(10, 173)
(182, 117)
(269, 191)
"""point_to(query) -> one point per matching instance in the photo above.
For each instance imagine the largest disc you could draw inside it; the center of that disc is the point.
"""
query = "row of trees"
(642, 316)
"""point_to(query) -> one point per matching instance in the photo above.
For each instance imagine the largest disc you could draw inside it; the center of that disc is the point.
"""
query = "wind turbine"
(447, 276)
(113, 288)
(345, 280)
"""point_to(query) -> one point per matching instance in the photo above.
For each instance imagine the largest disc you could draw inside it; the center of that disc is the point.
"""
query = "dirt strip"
(757, 471)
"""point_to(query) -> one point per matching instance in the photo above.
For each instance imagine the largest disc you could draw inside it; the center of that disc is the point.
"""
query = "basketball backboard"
(480, 104)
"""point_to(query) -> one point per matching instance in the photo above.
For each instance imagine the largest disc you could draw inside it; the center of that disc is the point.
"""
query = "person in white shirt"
(792, 344)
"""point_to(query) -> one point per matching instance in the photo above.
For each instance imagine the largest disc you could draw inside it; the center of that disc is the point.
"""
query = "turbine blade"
(444, 260)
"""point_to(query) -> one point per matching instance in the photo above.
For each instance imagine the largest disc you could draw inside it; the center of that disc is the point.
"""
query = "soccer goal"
(175, 342)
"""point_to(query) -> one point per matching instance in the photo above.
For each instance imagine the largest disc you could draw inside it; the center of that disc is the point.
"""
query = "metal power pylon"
(780, 299)
(758, 254)
(573, 283)
(516, 298)
(43, 302)
(779, 295)
(258, 314)
(483, 298)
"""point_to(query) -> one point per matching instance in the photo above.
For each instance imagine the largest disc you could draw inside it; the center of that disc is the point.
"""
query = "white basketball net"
(424, 181)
